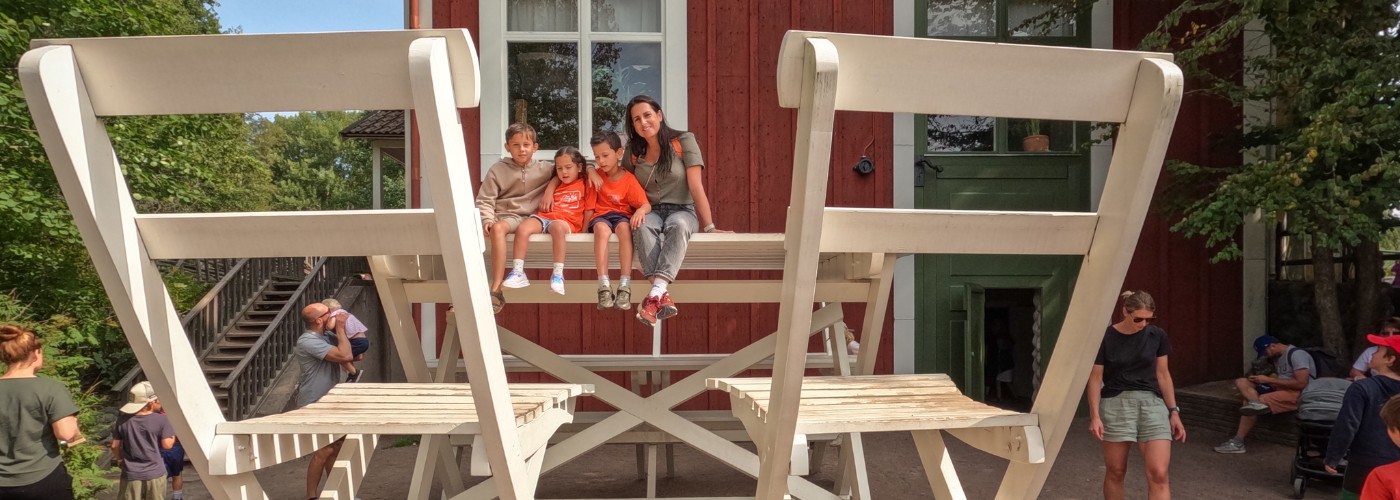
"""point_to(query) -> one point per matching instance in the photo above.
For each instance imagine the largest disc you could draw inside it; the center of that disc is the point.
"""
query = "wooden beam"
(919, 75)
(178, 75)
(692, 292)
(897, 230)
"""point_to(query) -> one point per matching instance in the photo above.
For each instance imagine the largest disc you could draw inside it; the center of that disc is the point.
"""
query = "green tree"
(1327, 161)
(314, 169)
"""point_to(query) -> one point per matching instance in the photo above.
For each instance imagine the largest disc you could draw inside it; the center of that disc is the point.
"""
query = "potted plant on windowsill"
(1035, 141)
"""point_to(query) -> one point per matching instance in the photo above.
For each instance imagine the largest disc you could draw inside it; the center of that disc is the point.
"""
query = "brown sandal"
(498, 301)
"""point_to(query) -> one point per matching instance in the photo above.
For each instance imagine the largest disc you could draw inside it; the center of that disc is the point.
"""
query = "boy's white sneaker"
(516, 279)
(556, 284)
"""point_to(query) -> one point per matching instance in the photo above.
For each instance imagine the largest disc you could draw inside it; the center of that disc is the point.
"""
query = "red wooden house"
(565, 65)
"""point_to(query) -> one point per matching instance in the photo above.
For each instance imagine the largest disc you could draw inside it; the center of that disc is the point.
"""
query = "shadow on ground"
(610, 472)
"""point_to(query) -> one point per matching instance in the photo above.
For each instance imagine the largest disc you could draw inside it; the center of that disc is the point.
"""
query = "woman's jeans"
(662, 240)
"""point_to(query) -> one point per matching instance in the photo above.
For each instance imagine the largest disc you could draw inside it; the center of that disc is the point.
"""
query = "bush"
(65, 363)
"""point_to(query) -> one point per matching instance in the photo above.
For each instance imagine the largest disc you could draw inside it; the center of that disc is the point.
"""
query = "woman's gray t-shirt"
(668, 186)
(28, 408)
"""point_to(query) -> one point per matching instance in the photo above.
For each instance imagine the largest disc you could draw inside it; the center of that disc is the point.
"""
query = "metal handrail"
(247, 383)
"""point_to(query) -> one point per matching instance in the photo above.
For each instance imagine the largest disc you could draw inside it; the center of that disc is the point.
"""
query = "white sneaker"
(1232, 446)
(1254, 409)
(556, 284)
(516, 279)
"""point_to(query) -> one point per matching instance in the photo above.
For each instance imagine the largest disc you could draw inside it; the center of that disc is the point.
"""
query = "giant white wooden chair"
(820, 73)
(72, 84)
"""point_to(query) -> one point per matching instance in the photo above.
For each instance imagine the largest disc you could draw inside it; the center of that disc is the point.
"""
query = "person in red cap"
(1359, 434)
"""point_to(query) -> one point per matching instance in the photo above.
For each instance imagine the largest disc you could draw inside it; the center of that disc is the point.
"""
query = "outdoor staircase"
(244, 328)
(241, 337)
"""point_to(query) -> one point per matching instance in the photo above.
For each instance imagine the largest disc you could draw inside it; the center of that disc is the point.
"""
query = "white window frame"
(495, 102)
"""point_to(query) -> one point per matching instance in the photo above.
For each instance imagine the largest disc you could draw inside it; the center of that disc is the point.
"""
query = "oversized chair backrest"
(72, 84)
(820, 73)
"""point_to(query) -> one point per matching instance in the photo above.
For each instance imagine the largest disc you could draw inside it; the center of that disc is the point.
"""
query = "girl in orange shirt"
(564, 216)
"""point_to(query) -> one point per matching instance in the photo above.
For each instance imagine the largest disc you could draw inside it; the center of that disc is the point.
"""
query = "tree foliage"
(1326, 158)
(199, 163)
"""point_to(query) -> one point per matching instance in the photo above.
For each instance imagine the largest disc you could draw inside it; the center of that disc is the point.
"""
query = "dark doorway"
(1012, 339)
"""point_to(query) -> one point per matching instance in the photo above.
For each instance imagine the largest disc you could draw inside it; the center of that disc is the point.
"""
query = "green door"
(949, 288)
(974, 340)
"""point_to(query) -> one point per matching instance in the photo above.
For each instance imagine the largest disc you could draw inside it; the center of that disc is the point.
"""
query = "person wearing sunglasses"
(1361, 368)
(1264, 395)
(1132, 398)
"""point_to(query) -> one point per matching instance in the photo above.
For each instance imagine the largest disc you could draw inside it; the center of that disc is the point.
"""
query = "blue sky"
(300, 16)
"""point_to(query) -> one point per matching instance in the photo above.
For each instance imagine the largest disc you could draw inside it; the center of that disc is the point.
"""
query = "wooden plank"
(176, 75)
(891, 230)
(895, 74)
(694, 292)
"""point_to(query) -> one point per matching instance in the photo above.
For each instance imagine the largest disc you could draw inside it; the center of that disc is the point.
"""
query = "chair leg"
(938, 466)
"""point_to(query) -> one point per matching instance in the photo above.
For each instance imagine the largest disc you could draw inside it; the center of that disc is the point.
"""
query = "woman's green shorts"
(1135, 417)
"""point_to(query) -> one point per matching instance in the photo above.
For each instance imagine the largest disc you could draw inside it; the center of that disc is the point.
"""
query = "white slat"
(875, 230)
(917, 75)
(251, 73)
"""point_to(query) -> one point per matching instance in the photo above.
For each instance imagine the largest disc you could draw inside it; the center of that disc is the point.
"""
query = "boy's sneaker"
(516, 279)
(1254, 409)
(667, 307)
(623, 299)
(1233, 446)
(646, 312)
(556, 284)
(355, 377)
(605, 298)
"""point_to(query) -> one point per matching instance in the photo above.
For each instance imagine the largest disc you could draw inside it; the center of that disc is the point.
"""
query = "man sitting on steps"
(1265, 395)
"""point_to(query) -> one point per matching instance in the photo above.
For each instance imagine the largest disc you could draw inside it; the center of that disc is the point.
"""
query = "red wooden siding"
(1199, 303)
(747, 143)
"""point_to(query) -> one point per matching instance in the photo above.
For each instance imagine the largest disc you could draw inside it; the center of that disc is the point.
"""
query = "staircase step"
(222, 357)
(278, 303)
(239, 334)
(220, 369)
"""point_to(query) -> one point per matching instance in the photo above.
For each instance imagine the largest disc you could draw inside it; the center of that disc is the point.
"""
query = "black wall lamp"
(865, 166)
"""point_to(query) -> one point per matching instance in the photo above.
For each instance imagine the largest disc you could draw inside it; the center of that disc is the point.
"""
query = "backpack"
(1324, 363)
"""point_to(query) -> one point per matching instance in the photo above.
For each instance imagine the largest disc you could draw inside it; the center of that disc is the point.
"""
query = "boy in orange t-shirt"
(621, 206)
(1383, 483)
(565, 215)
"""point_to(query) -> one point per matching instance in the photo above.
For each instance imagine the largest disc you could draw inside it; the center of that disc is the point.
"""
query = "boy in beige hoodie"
(510, 193)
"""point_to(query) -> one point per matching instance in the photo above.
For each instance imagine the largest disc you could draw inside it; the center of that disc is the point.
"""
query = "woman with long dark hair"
(668, 164)
(1132, 398)
(39, 413)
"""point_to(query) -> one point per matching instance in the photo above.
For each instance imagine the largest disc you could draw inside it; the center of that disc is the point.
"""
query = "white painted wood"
(252, 73)
(938, 466)
(1017, 444)
(443, 156)
(893, 230)
(694, 292)
(85, 165)
(810, 164)
(1132, 177)
(920, 75)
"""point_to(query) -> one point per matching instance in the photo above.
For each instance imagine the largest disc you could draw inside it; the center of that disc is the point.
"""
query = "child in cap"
(355, 331)
(137, 444)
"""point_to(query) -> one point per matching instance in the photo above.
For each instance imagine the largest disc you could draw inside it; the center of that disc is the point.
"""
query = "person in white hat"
(137, 443)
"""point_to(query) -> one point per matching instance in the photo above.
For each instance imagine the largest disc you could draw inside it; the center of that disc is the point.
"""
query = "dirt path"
(610, 472)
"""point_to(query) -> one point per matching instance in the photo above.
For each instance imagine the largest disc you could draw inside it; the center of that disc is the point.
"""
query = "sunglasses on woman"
(1143, 320)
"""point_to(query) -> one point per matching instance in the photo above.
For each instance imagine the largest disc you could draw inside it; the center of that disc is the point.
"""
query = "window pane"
(1038, 18)
(543, 87)
(622, 71)
(962, 18)
(1054, 135)
(948, 133)
(542, 15)
(627, 15)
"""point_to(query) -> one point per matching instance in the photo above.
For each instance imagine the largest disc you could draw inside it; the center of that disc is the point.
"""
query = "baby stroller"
(1318, 406)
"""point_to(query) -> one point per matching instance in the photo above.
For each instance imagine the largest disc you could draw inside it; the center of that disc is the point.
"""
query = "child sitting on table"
(355, 331)
(621, 205)
(570, 203)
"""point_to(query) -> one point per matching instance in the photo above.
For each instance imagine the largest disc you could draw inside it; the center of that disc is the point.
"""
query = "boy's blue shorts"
(612, 219)
(174, 459)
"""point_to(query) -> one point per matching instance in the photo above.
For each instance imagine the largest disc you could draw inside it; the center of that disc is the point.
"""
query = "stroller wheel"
(1300, 486)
